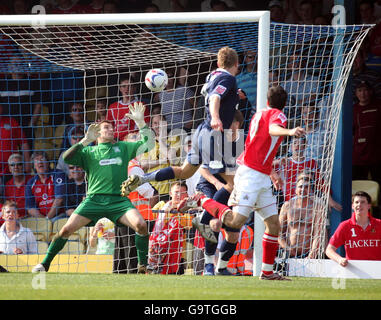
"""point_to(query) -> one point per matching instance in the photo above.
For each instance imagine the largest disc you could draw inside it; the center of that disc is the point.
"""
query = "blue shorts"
(211, 148)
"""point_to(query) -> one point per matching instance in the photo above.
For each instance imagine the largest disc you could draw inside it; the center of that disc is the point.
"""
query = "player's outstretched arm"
(276, 130)
(91, 135)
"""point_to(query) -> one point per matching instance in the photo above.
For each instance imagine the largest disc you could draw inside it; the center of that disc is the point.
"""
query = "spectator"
(362, 73)
(117, 111)
(366, 143)
(15, 187)
(67, 7)
(305, 11)
(177, 103)
(12, 139)
(289, 168)
(360, 235)
(102, 236)
(75, 189)
(75, 136)
(277, 13)
(78, 121)
(14, 238)
(100, 110)
(160, 157)
(247, 81)
(367, 15)
(300, 220)
(167, 238)
(45, 192)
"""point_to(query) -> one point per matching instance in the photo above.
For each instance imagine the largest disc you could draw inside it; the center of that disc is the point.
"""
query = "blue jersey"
(221, 83)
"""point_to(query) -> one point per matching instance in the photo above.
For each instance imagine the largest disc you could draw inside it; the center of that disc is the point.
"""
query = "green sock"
(55, 246)
(141, 243)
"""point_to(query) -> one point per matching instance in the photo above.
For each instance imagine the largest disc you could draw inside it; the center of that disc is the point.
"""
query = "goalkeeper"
(105, 165)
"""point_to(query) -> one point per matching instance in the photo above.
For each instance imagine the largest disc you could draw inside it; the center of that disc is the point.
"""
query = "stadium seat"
(42, 247)
(369, 186)
(41, 227)
(73, 247)
(80, 235)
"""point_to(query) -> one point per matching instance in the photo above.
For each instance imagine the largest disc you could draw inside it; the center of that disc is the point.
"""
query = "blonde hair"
(9, 204)
(227, 57)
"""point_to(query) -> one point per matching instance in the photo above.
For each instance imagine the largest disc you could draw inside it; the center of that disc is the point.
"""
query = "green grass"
(69, 286)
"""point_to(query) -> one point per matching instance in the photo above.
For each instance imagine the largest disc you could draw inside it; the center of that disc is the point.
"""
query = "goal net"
(58, 78)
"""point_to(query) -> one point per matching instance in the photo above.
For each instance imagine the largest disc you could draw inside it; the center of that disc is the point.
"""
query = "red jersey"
(260, 146)
(123, 125)
(289, 172)
(17, 194)
(359, 244)
(165, 245)
(11, 140)
(41, 195)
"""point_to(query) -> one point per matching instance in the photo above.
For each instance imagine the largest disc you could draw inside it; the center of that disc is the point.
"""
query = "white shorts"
(252, 192)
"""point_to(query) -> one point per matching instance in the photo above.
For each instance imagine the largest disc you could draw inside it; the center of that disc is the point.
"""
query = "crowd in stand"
(35, 129)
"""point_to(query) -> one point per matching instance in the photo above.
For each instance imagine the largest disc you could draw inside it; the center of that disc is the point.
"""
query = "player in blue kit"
(209, 141)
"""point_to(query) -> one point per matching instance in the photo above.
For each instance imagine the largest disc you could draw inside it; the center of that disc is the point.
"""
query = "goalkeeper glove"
(91, 135)
(136, 113)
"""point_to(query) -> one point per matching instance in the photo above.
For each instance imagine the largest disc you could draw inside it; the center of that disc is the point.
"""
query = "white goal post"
(274, 45)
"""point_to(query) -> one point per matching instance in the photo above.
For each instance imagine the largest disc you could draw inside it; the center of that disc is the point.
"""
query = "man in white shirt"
(14, 238)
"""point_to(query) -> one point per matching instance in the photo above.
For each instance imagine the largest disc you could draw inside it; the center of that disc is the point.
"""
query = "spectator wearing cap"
(366, 155)
(276, 11)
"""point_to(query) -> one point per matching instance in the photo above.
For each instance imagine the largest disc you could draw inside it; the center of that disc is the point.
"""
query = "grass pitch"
(69, 286)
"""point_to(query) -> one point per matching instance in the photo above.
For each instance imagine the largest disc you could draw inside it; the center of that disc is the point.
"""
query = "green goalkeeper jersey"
(106, 164)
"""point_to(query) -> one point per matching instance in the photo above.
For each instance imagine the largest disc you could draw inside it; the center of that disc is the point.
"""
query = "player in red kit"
(360, 235)
(252, 184)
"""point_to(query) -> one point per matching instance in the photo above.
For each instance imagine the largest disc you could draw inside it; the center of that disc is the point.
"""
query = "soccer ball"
(156, 80)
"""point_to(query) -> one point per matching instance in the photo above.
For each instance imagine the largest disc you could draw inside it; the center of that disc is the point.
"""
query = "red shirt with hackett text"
(260, 146)
(359, 244)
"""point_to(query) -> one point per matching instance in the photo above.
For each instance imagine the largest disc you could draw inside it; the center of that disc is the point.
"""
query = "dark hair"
(362, 194)
(277, 97)
(181, 184)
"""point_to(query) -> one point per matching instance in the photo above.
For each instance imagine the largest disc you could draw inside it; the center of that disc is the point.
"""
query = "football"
(156, 80)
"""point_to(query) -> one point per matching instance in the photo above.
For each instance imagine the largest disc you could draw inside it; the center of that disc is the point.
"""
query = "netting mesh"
(56, 80)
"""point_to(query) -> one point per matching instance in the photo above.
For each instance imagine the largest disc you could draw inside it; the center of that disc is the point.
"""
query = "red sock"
(269, 248)
(215, 208)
